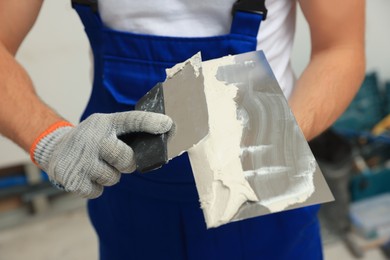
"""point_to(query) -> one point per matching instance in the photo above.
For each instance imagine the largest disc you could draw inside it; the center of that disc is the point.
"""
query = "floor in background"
(339, 252)
(67, 234)
(63, 234)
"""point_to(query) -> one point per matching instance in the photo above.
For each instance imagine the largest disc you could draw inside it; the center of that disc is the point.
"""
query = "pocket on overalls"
(127, 80)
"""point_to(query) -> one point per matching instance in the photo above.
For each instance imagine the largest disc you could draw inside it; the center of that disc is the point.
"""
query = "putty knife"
(181, 96)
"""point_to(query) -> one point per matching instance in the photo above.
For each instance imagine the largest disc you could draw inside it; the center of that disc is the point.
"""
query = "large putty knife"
(276, 161)
(181, 96)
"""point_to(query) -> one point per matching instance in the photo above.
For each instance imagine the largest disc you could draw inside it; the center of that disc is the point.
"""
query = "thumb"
(141, 121)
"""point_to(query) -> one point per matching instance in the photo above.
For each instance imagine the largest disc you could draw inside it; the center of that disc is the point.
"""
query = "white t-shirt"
(207, 18)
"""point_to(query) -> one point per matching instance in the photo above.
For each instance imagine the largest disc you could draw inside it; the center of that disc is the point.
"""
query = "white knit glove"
(85, 158)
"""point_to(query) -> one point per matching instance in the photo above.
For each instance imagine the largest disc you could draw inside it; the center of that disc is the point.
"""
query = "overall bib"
(157, 215)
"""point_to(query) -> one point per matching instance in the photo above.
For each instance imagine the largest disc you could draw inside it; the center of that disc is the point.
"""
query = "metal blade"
(185, 103)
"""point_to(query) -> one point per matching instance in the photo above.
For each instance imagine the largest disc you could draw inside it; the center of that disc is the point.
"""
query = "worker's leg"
(132, 227)
(289, 235)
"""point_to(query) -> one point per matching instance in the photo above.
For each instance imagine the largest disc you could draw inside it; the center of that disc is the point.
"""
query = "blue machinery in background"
(17, 184)
(371, 152)
(354, 161)
(18, 180)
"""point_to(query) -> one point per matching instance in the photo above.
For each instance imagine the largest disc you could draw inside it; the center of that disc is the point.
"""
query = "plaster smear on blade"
(196, 62)
(297, 192)
(215, 161)
(281, 172)
(298, 178)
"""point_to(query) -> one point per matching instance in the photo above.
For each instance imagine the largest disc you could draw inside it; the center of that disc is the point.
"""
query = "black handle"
(150, 150)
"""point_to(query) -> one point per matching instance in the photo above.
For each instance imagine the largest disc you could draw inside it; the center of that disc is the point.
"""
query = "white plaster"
(215, 161)
(196, 62)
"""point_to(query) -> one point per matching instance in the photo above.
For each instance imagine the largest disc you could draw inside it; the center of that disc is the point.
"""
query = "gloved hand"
(89, 156)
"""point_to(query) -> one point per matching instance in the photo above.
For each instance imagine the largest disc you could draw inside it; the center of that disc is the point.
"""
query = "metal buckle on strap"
(251, 6)
(91, 3)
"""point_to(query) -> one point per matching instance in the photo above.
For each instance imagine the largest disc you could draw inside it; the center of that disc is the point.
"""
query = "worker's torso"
(131, 52)
(129, 63)
(203, 18)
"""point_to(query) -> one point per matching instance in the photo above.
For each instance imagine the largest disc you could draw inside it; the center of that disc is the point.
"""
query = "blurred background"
(40, 222)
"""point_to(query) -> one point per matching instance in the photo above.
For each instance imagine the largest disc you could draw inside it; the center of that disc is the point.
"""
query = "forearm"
(23, 116)
(326, 87)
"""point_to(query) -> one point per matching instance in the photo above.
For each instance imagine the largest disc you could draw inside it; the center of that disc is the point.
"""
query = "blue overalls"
(157, 215)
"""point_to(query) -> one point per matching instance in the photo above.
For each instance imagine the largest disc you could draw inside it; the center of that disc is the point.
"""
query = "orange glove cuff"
(49, 130)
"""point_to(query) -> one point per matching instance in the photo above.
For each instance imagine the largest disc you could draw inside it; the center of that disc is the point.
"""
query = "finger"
(105, 175)
(118, 154)
(88, 189)
(95, 191)
(141, 121)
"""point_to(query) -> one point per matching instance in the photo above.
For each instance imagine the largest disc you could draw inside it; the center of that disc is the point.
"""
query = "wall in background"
(56, 55)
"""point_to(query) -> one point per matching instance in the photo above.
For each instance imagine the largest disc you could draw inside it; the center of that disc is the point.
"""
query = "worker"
(157, 215)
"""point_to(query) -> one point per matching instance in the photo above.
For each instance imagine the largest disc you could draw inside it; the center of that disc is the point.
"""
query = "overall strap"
(91, 3)
(247, 16)
(88, 11)
(89, 15)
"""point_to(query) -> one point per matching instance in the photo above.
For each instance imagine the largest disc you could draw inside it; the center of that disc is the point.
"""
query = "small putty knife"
(181, 96)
